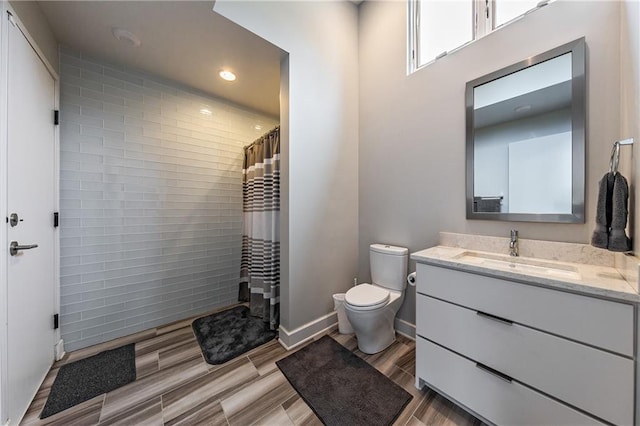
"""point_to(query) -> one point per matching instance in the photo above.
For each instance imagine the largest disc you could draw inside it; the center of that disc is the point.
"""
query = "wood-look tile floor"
(175, 386)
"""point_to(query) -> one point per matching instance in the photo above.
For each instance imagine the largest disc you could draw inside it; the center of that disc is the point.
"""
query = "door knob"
(14, 247)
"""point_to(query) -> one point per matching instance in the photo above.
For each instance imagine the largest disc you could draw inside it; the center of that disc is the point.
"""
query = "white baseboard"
(405, 328)
(59, 350)
(294, 338)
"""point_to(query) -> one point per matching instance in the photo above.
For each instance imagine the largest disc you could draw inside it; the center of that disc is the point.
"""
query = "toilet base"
(368, 347)
(374, 329)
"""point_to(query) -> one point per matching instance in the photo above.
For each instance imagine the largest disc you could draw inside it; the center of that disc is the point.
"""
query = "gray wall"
(630, 105)
(412, 128)
(151, 200)
(320, 157)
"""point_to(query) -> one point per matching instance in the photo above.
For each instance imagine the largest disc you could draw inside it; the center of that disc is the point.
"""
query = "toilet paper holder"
(411, 279)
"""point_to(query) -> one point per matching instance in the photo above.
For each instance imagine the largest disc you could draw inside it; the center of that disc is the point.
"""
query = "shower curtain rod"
(267, 133)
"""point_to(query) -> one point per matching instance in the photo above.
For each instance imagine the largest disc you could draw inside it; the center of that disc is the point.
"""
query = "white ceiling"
(183, 41)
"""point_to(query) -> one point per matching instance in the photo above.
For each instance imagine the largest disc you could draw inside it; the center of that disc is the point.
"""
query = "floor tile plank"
(152, 386)
(209, 413)
(407, 382)
(437, 410)
(177, 354)
(407, 362)
(265, 357)
(165, 341)
(148, 413)
(85, 413)
(146, 364)
(257, 398)
(299, 412)
(277, 416)
(206, 391)
(33, 412)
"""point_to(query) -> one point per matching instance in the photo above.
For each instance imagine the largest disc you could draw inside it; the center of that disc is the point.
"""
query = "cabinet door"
(492, 397)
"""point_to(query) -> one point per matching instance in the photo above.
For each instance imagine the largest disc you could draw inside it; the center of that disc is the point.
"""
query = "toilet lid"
(364, 295)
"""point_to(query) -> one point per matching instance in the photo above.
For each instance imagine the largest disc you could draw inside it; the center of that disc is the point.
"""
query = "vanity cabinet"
(515, 353)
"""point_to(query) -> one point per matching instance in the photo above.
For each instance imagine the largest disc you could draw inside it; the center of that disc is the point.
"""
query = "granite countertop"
(590, 280)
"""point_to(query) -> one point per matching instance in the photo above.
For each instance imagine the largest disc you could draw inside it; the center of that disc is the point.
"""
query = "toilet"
(371, 308)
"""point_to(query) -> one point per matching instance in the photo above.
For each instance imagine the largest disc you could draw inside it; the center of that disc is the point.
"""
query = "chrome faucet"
(513, 244)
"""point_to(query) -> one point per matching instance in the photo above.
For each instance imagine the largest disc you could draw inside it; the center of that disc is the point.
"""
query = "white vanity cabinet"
(514, 353)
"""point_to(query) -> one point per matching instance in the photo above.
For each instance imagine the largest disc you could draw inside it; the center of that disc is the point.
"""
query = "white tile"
(137, 159)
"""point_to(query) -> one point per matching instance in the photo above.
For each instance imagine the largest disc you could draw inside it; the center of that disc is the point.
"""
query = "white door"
(30, 195)
(540, 175)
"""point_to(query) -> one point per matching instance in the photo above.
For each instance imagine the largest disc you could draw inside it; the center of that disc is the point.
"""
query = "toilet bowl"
(374, 325)
(372, 308)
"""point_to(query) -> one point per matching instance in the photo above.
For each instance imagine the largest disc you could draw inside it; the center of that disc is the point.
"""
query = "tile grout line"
(416, 409)
(104, 397)
(162, 408)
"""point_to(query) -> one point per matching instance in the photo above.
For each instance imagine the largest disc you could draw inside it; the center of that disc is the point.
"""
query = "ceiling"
(183, 41)
(541, 101)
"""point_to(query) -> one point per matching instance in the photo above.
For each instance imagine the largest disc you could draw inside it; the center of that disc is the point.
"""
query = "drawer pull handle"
(495, 318)
(494, 372)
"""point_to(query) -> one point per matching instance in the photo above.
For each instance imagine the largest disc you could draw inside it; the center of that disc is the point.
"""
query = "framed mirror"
(526, 139)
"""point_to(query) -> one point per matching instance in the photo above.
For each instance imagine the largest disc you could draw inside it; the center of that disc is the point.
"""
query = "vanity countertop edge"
(599, 281)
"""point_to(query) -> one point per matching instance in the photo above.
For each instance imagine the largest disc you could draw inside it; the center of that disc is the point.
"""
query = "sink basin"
(520, 264)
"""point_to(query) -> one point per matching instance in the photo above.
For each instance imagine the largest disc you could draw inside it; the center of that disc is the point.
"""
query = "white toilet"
(371, 308)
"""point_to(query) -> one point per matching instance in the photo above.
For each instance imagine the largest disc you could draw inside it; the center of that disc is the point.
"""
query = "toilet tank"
(388, 266)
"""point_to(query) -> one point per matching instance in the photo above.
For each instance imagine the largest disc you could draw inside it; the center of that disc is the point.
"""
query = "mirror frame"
(577, 48)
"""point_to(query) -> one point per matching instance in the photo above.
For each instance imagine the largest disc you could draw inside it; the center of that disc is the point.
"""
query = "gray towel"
(618, 240)
(600, 237)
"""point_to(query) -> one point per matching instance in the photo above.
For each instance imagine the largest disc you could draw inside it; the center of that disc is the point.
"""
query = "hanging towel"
(600, 237)
(618, 240)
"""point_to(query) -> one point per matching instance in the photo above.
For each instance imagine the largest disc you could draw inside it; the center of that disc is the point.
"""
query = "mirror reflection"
(526, 135)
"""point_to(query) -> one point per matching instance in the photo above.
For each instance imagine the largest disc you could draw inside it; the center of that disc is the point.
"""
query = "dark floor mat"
(341, 388)
(87, 378)
(227, 334)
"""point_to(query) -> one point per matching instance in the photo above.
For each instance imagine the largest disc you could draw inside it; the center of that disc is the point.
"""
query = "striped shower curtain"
(260, 267)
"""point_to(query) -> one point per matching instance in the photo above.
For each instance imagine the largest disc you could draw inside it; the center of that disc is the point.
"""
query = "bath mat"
(227, 334)
(87, 378)
(340, 387)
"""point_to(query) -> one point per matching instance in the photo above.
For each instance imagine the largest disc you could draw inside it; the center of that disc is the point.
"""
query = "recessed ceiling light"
(522, 108)
(227, 75)
(126, 36)
(205, 111)
(257, 127)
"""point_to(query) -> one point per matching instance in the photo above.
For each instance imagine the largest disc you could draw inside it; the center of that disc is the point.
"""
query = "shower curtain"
(260, 266)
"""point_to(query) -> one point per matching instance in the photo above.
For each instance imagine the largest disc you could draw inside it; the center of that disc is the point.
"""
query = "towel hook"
(614, 161)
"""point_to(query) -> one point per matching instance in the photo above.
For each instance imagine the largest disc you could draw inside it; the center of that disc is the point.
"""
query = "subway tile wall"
(150, 200)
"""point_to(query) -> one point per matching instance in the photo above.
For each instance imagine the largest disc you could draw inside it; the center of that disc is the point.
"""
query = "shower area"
(152, 186)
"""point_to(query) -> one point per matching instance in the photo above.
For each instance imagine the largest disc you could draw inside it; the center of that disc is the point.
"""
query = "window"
(438, 27)
(443, 26)
(506, 10)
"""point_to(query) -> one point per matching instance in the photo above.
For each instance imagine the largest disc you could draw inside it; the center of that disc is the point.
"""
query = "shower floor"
(175, 385)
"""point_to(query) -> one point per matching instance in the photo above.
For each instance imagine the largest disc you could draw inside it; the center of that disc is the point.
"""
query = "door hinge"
(56, 117)
(56, 321)
(56, 219)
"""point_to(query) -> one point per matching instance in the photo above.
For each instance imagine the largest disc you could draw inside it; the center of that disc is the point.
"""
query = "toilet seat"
(365, 297)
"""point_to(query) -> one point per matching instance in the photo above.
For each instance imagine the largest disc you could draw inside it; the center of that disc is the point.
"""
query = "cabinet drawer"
(577, 374)
(499, 401)
(601, 323)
